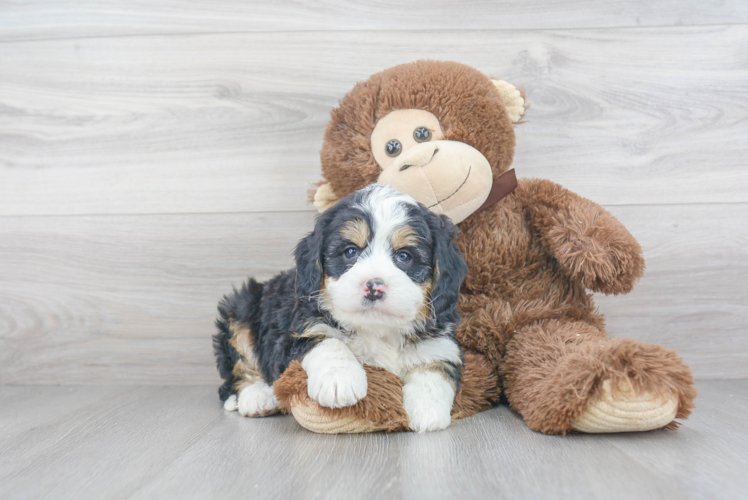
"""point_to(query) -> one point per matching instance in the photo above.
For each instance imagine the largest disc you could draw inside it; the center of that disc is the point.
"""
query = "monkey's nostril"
(420, 161)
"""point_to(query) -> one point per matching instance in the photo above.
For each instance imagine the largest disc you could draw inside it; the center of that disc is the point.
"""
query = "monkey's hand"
(588, 242)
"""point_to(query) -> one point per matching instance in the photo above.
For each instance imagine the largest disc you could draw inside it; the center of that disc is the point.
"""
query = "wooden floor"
(177, 442)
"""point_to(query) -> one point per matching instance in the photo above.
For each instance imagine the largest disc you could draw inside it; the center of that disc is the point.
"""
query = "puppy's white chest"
(385, 351)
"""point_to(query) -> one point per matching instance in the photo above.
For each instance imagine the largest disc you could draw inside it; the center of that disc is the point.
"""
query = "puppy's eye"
(404, 257)
(393, 148)
(422, 134)
(351, 253)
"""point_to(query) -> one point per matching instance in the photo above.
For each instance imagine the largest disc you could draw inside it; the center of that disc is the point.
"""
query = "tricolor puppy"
(377, 282)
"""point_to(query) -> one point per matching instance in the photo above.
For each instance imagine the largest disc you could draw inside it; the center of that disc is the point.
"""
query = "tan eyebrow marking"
(404, 236)
(356, 231)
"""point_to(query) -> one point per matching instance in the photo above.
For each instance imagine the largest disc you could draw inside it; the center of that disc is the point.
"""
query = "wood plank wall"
(152, 153)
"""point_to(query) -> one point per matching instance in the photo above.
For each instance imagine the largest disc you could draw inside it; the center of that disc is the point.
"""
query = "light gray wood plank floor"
(177, 442)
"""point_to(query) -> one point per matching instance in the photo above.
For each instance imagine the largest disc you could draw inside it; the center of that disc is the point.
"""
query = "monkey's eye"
(404, 257)
(393, 148)
(350, 253)
(422, 134)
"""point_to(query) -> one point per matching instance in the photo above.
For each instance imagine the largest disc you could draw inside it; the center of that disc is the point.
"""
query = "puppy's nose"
(374, 289)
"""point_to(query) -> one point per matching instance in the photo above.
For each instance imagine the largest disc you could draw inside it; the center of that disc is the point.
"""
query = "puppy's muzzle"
(374, 289)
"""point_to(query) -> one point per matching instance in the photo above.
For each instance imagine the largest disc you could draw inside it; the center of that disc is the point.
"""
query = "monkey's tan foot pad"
(625, 411)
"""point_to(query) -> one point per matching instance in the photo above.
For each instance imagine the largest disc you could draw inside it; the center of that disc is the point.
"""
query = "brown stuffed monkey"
(443, 133)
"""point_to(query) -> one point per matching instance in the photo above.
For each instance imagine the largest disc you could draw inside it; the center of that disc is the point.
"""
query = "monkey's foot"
(625, 410)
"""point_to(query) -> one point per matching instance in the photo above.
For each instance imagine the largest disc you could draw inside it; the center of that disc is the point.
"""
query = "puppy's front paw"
(257, 400)
(231, 403)
(335, 378)
(428, 400)
(338, 386)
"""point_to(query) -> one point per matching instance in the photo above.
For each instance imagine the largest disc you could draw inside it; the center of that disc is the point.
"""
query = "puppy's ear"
(309, 258)
(449, 268)
(308, 255)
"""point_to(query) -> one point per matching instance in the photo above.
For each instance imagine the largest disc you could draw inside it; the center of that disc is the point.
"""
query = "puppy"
(377, 282)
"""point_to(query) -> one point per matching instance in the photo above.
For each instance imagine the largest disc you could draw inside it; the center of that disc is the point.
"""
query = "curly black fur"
(237, 307)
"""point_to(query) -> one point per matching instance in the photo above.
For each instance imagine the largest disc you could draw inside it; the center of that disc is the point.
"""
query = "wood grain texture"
(693, 297)
(107, 299)
(233, 122)
(131, 299)
(44, 19)
(177, 442)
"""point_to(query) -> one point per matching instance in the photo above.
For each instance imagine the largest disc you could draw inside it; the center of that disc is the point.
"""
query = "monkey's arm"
(583, 237)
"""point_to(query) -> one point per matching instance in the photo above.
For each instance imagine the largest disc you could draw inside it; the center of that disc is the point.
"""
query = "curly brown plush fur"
(534, 258)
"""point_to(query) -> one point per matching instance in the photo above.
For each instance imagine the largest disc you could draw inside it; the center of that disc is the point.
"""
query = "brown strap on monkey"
(502, 186)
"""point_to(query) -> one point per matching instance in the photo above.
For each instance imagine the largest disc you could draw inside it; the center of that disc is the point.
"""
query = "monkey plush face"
(437, 131)
(449, 177)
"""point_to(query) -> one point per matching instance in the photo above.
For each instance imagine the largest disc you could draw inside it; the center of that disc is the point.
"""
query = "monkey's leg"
(566, 376)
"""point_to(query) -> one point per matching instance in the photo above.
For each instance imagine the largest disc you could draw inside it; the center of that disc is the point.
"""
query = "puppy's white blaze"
(230, 404)
(430, 351)
(388, 210)
(335, 378)
(428, 398)
(381, 195)
(257, 400)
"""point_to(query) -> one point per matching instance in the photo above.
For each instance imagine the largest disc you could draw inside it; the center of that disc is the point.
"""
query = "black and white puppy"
(377, 282)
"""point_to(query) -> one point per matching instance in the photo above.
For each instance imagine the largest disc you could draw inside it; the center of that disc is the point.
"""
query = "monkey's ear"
(514, 99)
(323, 197)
